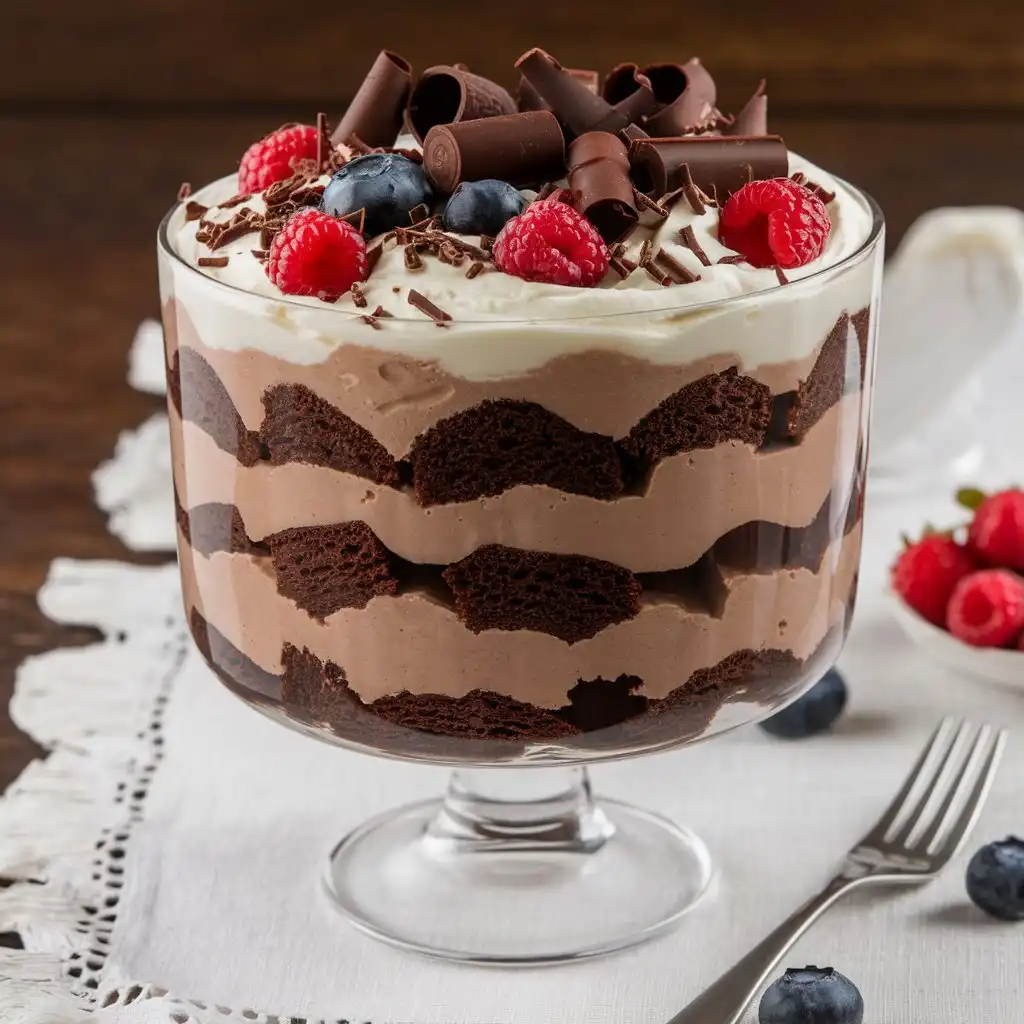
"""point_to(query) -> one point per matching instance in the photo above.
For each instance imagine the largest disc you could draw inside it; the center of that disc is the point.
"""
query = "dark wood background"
(107, 105)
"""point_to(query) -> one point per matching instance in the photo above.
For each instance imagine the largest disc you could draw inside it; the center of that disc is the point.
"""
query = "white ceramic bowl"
(1005, 667)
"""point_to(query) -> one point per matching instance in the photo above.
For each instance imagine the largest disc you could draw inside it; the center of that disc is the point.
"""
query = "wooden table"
(100, 123)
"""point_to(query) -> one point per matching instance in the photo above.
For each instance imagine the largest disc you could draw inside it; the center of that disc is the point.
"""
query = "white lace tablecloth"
(166, 852)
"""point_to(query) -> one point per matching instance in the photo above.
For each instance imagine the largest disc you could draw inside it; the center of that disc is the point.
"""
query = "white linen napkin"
(168, 850)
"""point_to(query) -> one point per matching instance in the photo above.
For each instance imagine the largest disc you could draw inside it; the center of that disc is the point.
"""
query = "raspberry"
(551, 242)
(775, 223)
(926, 573)
(273, 158)
(316, 254)
(987, 608)
(996, 536)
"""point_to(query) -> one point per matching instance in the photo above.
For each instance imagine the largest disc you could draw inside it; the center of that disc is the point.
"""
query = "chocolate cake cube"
(572, 597)
(326, 568)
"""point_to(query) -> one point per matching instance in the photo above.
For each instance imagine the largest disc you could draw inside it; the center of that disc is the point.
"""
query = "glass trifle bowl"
(562, 526)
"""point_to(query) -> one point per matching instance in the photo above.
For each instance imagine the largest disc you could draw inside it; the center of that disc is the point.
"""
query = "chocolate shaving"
(375, 113)
(195, 211)
(260, 254)
(628, 263)
(601, 189)
(781, 275)
(675, 270)
(688, 94)
(474, 270)
(357, 218)
(412, 258)
(424, 305)
(373, 255)
(798, 177)
(654, 272)
(447, 95)
(418, 214)
(358, 298)
(649, 204)
(753, 118)
(212, 261)
(381, 311)
(184, 191)
(645, 253)
(368, 318)
(620, 268)
(689, 239)
(735, 258)
(236, 200)
(822, 193)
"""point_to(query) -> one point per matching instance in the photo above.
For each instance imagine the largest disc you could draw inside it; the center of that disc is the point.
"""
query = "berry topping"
(388, 186)
(316, 254)
(553, 243)
(775, 223)
(811, 995)
(995, 879)
(996, 536)
(987, 609)
(482, 207)
(273, 158)
(812, 713)
(926, 573)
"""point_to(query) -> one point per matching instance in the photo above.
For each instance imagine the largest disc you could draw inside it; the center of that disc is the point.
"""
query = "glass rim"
(712, 305)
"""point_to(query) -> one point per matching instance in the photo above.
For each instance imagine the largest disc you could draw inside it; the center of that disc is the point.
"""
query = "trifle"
(521, 426)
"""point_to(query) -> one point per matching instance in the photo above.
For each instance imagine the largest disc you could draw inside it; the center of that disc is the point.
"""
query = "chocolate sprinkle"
(367, 318)
(620, 268)
(424, 305)
(381, 311)
(734, 258)
(260, 254)
(212, 261)
(184, 191)
(358, 298)
(474, 270)
(781, 275)
(798, 177)
(689, 239)
(656, 274)
(676, 271)
(195, 211)
(645, 253)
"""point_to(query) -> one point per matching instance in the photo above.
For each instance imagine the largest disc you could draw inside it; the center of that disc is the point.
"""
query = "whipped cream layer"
(415, 642)
(503, 326)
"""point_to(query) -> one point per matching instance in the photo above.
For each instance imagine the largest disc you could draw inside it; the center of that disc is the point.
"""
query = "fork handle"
(727, 999)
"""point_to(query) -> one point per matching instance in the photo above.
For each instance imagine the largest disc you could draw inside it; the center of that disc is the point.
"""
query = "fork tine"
(975, 802)
(892, 813)
(958, 786)
(934, 788)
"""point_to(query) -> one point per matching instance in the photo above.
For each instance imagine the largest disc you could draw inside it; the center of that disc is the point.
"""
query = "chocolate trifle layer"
(523, 430)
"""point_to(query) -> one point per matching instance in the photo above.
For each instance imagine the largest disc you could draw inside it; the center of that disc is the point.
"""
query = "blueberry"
(388, 186)
(812, 995)
(814, 712)
(995, 879)
(482, 207)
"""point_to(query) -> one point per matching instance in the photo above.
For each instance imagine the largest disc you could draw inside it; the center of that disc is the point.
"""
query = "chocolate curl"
(599, 180)
(447, 94)
(375, 115)
(753, 118)
(630, 92)
(530, 99)
(522, 149)
(717, 164)
(579, 109)
(689, 94)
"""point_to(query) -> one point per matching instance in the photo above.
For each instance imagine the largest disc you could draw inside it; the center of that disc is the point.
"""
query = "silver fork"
(913, 841)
